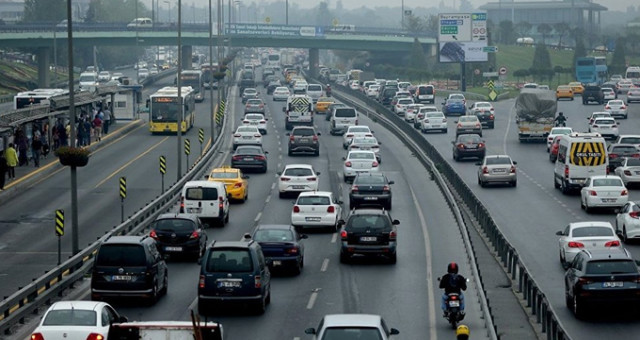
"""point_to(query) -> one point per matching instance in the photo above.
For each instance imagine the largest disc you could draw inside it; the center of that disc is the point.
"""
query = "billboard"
(457, 52)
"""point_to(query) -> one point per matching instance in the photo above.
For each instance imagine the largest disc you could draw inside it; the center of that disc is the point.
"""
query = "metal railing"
(540, 306)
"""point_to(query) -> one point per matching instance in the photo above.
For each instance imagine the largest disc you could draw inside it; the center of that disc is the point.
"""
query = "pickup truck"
(592, 93)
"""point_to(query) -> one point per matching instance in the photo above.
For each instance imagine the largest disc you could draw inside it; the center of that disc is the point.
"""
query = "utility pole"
(179, 84)
(72, 132)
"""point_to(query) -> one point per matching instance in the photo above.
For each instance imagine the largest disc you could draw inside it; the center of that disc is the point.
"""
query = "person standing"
(45, 141)
(36, 149)
(97, 127)
(106, 121)
(3, 171)
(11, 156)
(87, 131)
(23, 146)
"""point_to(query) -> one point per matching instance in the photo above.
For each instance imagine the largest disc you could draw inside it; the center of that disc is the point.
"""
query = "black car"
(602, 277)
(592, 93)
(617, 153)
(304, 139)
(249, 157)
(271, 86)
(386, 95)
(370, 188)
(282, 246)
(368, 232)
(129, 266)
(468, 145)
(179, 234)
(234, 272)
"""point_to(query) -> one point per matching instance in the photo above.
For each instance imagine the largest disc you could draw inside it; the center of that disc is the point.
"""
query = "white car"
(297, 178)
(595, 115)
(373, 91)
(468, 124)
(434, 121)
(629, 171)
(143, 73)
(608, 94)
(628, 139)
(606, 127)
(355, 131)
(359, 162)
(352, 326)
(628, 221)
(557, 131)
(585, 235)
(617, 108)
(604, 191)
(624, 86)
(366, 143)
(77, 320)
(104, 76)
(281, 93)
(417, 122)
(316, 209)
(354, 85)
(633, 95)
(479, 107)
(401, 105)
(258, 120)
(411, 111)
(247, 135)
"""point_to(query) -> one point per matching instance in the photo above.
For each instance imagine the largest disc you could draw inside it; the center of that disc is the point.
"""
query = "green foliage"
(544, 29)
(417, 56)
(116, 10)
(561, 28)
(618, 63)
(506, 32)
(523, 28)
(45, 10)
(579, 51)
(414, 24)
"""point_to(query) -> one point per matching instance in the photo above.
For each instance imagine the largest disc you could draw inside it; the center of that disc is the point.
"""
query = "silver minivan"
(342, 118)
(314, 91)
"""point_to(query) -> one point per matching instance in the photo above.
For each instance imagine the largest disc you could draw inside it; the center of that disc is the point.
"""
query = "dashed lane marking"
(334, 238)
(312, 299)
(258, 217)
(325, 265)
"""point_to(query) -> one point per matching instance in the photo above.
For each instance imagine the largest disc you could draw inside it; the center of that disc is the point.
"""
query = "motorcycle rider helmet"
(560, 114)
(452, 268)
(462, 332)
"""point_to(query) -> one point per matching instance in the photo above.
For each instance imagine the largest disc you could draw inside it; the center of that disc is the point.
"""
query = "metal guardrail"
(540, 306)
(41, 291)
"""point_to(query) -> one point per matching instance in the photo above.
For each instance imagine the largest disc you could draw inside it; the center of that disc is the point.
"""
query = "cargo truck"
(535, 113)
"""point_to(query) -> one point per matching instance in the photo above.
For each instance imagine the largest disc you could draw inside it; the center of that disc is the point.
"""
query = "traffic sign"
(490, 49)
(123, 187)
(455, 27)
(187, 146)
(267, 20)
(490, 84)
(489, 74)
(493, 95)
(163, 165)
(479, 27)
(476, 71)
(201, 135)
(59, 222)
(503, 70)
(334, 22)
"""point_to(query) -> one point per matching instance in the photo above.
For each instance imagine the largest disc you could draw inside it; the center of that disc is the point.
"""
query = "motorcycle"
(563, 123)
(453, 313)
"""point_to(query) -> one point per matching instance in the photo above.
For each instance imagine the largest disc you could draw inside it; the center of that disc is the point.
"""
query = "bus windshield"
(164, 112)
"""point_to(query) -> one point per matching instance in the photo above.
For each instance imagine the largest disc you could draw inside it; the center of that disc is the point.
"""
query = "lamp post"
(211, 113)
(286, 12)
(72, 132)
(179, 84)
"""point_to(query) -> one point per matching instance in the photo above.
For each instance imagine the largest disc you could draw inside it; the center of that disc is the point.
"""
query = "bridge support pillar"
(43, 67)
(187, 54)
(314, 62)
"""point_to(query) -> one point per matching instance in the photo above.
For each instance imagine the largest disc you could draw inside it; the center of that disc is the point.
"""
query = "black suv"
(368, 231)
(129, 266)
(179, 234)
(386, 95)
(235, 272)
(604, 276)
(304, 139)
(370, 188)
(592, 93)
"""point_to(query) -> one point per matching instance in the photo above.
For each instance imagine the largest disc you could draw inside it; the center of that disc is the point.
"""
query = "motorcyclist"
(453, 282)
(462, 332)
(560, 119)
(328, 90)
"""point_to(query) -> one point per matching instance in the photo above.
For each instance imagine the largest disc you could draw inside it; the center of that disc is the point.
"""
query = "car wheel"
(154, 294)
(388, 205)
(514, 184)
(317, 153)
(564, 188)
(455, 158)
(269, 296)
(290, 153)
(344, 258)
(226, 218)
(482, 183)
(264, 170)
(165, 285)
(203, 308)
(297, 269)
(587, 209)
(261, 306)
(423, 130)
(578, 309)
(393, 258)
(445, 130)
(625, 239)
(563, 261)
(555, 183)
(352, 204)
(281, 195)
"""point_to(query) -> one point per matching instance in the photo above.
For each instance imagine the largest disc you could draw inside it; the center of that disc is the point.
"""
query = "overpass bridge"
(43, 37)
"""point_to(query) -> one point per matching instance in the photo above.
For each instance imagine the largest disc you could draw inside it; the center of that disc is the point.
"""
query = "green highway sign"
(490, 49)
(448, 29)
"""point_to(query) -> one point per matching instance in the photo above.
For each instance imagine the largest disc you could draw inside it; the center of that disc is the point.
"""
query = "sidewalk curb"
(15, 188)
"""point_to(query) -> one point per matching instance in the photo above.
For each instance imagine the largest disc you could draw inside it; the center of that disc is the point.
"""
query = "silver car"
(629, 171)
(365, 143)
(617, 108)
(497, 169)
(633, 95)
(434, 121)
(468, 124)
(281, 93)
(358, 162)
(352, 326)
(606, 127)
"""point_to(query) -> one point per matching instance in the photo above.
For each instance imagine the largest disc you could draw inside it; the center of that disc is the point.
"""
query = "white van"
(342, 118)
(580, 156)
(140, 23)
(88, 81)
(207, 200)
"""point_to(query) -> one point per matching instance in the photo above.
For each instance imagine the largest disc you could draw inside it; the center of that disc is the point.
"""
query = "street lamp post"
(72, 132)
(286, 12)
(211, 113)
(179, 84)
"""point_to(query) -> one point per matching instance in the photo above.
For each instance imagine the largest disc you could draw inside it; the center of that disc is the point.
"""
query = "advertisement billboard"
(457, 52)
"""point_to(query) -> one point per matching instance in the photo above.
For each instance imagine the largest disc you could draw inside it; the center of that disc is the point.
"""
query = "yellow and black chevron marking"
(588, 153)
(187, 147)
(163, 165)
(59, 222)
(123, 187)
(299, 104)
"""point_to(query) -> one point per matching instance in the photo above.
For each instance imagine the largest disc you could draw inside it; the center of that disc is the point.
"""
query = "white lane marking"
(312, 300)
(279, 142)
(280, 149)
(506, 132)
(279, 165)
(273, 185)
(258, 217)
(268, 198)
(427, 248)
(325, 265)
(296, 338)
(334, 237)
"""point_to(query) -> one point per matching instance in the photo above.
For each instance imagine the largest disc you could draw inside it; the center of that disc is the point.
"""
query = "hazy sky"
(618, 5)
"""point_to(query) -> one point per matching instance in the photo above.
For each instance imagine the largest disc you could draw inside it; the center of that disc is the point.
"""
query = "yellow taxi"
(564, 91)
(323, 103)
(236, 183)
(577, 87)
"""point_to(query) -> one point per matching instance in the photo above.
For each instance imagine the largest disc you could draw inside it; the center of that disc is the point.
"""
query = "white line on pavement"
(258, 217)
(334, 237)
(325, 265)
(312, 300)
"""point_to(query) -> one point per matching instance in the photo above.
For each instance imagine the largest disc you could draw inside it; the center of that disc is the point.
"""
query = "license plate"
(454, 303)
(345, 121)
(499, 170)
(173, 248)
(277, 263)
(637, 172)
(254, 123)
(298, 187)
(248, 159)
(368, 238)
(121, 277)
(246, 137)
(472, 147)
(228, 284)
(613, 284)
(608, 200)
(194, 210)
(370, 198)
(312, 219)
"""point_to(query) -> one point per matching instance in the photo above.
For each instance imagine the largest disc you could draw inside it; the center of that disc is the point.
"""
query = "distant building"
(11, 11)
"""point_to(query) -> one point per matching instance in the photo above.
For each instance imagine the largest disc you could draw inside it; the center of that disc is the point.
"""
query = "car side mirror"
(318, 173)
(340, 222)
(205, 226)
(453, 142)
(344, 158)
(339, 202)
(279, 173)
(394, 331)
(266, 152)
(304, 236)
(395, 222)
(319, 134)
(456, 122)
(515, 163)
(206, 176)
(199, 260)
(123, 319)
(391, 182)
(478, 163)
(310, 331)
(619, 234)
(288, 134)
(560, 233)
(617, 211)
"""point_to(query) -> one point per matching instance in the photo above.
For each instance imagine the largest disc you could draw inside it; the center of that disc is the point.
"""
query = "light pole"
(286, 12)
(402, 16)
(179, 84)
(211, 113)
(72, 132)
(168, 10)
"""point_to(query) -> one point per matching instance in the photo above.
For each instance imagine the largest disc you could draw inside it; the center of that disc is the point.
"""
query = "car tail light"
(291, 138)
(312, 179)
(263, 122)
(238, 185)
(513, 169)
(237, 135)
(201, 281)
(315, 138)
(623, 107)
(296, 209)
(426, 120)
(261, 105)
(491, 109)
(181, 203)
(37, 336)
(258, 281)
(194, 234)
(220, 202)
(595, 126)
(356, 122)
(236, 158)
(347, 164)
(257, 135)
(343, 234)
(491, 116)
(481, 145)
(636, 155)
(260, 158)
(574, 244)
(153, 234)
(245, 122)
(566, 171)
(444, 120)
(607, 107)
(374, 164)
(95, 336)
(459, 125)
(354, 188)
(392, 235)
(613, 155)
(461, 146)
(350, 135)
(331, 209)
(386, 188)
(375, 147)
(293, 250)
(634, 214)
(627, 173)
(285, 179)
(355, 147)
(485, 170)
(614, 243)
(624, 192)
(584, 281)
(593, 193)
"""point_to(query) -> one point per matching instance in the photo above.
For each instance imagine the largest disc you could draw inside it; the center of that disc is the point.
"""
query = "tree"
(115, 10)
(541, 61)
(618, 61)
(44, 10)
(417, 57)
(578, 52)
(432, 25)
(561, 29)
(506, 32)
(523, 28)
(544, 29)
(324, 16)
(414, 24)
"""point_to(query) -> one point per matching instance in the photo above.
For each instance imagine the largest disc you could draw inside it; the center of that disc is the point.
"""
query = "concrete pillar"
(187, 53)
(314, 62)
(43, 67)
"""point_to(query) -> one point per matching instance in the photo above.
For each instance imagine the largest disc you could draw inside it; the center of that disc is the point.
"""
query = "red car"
(553, 149)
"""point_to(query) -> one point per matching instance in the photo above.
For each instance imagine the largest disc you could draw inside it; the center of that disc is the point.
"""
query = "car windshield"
(254, 117)
(202, 194)
(454, 101)
(498, 160)
(630, 140)
(70, 317)
(351, 333)
(561, 131)
(624, 149)
(405, 101)
(434, 115)
(345, 113)
(363, 222)
(273, 235)
(298, 172)
(313, 200)
(591, 231)
(315, 88)
(610, 267)
(456, 96)
(369, 180)
(254, 102)
(615, 103)
(174, 224)
(468, 119)
(605, 121)
(483, 105)
(250, 91)
(469, 139)
(633, 162)
(367, 140)
(226, 175)
(121, 255)
(302, 132)
(359, 129)
(248, 151)
(230, 261)
(607, 182)
(361, 155)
